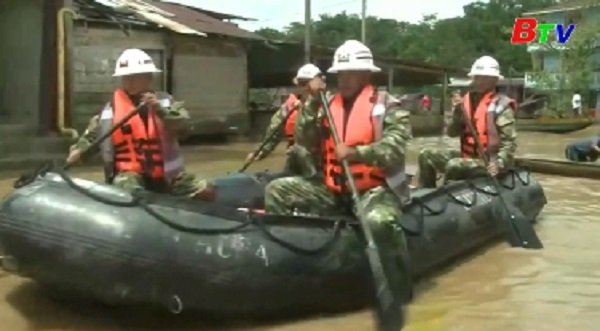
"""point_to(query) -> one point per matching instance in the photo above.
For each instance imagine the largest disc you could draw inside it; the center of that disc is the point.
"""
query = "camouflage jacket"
(172, 116)
(505, 123)
(388, 152)
(274, 133)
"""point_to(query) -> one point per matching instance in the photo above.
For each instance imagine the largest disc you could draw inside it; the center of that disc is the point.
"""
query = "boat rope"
(138, 200)
(509, 182)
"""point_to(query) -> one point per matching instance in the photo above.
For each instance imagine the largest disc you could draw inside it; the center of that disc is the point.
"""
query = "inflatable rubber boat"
(103, 244)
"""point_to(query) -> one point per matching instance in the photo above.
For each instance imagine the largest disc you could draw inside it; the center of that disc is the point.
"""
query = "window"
(537, 61)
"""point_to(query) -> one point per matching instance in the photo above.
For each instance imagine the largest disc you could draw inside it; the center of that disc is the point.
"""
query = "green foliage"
(485, 28)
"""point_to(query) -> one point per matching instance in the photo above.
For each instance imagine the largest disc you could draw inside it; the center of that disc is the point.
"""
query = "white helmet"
(307, 71)
(486, 66)
(353, 56)
(134, 61)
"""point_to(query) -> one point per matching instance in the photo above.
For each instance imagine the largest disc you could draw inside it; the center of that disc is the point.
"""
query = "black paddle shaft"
(265, 141)
(389, 310)
(520, 230)
(107, 135)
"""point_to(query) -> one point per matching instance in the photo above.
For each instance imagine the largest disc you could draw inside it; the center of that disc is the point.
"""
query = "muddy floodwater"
(497, 288)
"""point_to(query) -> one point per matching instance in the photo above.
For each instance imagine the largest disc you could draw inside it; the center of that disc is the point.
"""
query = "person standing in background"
(426, 102)
(576, 101)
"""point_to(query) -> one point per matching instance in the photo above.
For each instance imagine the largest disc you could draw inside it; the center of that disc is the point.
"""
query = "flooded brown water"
(499, 288)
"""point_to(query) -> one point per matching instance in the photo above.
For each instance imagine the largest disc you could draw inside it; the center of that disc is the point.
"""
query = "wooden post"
(442, 111)
(390, 79)
(47, 98)
(444, 93)
(307, 30)
(69, 65)
(363, 30)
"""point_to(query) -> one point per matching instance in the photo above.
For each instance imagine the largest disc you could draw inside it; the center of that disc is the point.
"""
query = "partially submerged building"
(56, 67)
(203, 57)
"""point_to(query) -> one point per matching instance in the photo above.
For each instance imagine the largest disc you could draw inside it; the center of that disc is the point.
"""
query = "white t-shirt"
(576, 100)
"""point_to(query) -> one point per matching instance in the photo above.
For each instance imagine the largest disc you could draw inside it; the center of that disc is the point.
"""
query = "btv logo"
(524, 31)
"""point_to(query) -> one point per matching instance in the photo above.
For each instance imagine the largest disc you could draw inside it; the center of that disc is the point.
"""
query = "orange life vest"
(354, 133)
(483, 117)
(289, 113)
(137, 146)
(145, 149)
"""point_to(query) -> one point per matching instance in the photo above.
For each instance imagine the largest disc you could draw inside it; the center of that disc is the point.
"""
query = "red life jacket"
(290, 108)
(484, 122)
(358, 131)
(130, 147)
(136, 147)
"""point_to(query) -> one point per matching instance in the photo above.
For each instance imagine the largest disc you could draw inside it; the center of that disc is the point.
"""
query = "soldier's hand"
(150, 99)
(493, 168)
(252, 157)
(74, 156)
(343, 152)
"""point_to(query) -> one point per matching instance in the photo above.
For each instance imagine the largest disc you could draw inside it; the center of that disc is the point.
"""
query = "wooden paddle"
(389, 312)
(28, 178)
(108, 134)
(519, 230)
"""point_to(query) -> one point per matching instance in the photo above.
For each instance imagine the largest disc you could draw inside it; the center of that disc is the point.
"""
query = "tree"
(485, 28)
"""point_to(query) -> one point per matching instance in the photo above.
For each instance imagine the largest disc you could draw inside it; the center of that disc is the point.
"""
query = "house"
(203, 57)
(546, 58)
(511, 86)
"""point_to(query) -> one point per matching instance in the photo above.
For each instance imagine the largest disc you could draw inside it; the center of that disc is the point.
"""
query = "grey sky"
(279, 13)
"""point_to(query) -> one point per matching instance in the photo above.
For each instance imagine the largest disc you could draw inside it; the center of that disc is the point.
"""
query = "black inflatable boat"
(103, 244)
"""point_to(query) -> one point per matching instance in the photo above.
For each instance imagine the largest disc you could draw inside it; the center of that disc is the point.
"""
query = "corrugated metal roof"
(318, 50)
(218, 15)
(201, 21)
(157, 16)
(178, 18)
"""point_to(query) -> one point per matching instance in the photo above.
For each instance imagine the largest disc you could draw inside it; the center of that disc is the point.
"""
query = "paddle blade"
(389, 311)
(517, 227)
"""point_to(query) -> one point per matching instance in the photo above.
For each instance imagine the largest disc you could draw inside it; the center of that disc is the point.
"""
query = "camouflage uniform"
(308, 193)
(434, 160)
(185, 184)
(274, 134)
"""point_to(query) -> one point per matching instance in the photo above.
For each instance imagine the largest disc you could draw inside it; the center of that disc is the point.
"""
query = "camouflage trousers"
(300, 162)
(286, 195)
(184, 185)
(433, 161)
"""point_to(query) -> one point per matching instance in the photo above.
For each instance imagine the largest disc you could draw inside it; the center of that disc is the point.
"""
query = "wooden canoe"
(559, 125)
(561, 167)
